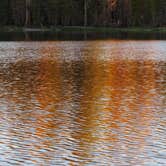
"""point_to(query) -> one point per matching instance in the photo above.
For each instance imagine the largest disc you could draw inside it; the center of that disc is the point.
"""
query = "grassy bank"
(82, 29)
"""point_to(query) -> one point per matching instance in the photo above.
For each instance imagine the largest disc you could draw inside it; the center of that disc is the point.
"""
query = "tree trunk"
(85, 13)
(28, 13)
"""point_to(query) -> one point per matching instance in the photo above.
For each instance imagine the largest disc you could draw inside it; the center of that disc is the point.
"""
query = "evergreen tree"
(114, 13)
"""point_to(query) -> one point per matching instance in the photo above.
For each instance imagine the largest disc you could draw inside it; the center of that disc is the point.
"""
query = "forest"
(104, 13)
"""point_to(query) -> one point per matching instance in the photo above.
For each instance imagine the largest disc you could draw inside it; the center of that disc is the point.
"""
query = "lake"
(79, 35)
(99, 102)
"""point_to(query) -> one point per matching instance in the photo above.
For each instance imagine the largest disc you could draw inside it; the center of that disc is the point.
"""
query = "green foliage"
(4, 14)
(72, 13)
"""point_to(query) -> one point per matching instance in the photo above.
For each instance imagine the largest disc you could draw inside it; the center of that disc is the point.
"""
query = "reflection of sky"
(94, 102)
(135, 50)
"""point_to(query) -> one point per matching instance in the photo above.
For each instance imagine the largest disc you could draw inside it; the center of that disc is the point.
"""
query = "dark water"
(77, 36)
(83, 103)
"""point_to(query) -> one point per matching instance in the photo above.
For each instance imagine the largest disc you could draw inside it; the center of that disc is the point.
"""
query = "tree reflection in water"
(80, 103)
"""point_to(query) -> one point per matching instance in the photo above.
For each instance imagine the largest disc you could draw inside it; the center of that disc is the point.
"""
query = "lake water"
(83, 35)
(79, 103)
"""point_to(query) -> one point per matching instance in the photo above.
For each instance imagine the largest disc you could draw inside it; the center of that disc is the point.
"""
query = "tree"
(3, 12)
(120, 13)
(28, 13)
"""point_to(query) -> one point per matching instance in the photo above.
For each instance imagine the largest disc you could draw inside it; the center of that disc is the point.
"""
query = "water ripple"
(83, 103)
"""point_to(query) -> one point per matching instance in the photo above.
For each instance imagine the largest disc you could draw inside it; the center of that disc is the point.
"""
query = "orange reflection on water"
(84, 102)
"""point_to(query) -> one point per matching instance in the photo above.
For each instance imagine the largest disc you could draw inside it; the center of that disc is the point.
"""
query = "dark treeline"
(114, 13)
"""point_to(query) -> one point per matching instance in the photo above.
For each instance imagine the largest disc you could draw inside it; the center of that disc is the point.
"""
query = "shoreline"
(83, 29)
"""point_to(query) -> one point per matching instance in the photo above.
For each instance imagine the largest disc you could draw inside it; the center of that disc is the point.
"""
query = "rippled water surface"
(83, 103)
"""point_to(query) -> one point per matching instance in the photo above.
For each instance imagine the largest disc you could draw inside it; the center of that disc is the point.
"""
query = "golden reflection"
(99, 107)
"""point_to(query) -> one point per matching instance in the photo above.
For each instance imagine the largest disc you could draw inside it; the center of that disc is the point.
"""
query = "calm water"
(87, 103)
(68, 36)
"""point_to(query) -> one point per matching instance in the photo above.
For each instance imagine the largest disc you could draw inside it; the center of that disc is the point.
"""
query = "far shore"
(84, 29)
